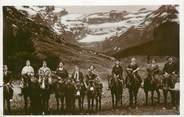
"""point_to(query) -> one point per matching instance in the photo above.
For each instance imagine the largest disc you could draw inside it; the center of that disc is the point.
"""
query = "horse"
(116, 88)
(44, 82)
(80, 94)
(168, 83)
(152, 83)
(133, 84)
(70, 95)
(98, 87)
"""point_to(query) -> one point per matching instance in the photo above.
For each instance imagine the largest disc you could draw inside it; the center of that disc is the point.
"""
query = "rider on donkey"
(91, 75)
(77, 75)
(44, 71)
(170, 67)
(153, 71)
(170, 72)
(27, 72)
(133, 69)
(117, 71)
(7, 77)
(61, 72)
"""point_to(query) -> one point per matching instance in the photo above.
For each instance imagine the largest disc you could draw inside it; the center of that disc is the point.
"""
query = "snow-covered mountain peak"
(102, 26)
(45, 15)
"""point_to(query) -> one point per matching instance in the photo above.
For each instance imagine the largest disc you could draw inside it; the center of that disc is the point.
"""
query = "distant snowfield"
(108, 30)
(70, 19)
(95, 31)
(102, 31)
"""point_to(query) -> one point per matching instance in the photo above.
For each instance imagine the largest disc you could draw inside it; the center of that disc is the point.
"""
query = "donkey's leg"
(8, 105)
(25, 103)
(165, 97)
(96, 99)
(173, 99)
(112, 95)
(88, 103)
(152, 95)
(47, 105)
(158, 95)
(146, 95)
(92, 103)
(130, 98)
(82, 103)
(62, 103)
(4, 105)
(135, 96)
(117, 100)
(100, 102)
(57, 101)
(121, 99)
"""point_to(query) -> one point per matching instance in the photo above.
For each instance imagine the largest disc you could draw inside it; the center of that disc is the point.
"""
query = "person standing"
(7, 79)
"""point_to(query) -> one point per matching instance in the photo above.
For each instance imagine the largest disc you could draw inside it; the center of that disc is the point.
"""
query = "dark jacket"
(117, 71)
(7, 78)
(62, 73)
(169, 68)
(134, 67)
(152, 70)
(90, 76)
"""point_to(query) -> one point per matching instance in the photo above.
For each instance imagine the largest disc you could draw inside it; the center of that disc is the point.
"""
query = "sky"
(92, 9)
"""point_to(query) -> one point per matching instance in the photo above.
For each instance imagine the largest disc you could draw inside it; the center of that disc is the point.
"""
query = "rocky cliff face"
(160, 36)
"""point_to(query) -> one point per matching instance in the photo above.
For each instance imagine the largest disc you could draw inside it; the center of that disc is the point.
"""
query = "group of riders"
(170, 69)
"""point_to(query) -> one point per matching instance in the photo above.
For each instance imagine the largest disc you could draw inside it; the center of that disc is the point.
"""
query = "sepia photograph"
(91, 60)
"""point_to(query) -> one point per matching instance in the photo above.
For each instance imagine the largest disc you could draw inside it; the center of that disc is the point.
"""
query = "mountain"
(157, 35)
(25, 38)
(141, 32)
(97, 27)
(48, 16)
(45, 15)
(118, 33)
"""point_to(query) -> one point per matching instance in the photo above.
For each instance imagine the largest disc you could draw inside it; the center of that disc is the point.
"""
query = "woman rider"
(61, 72)
(92, 74)
(153, 72)
(77, 75)
(44, 71)
(117, 71)
(133, 69)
